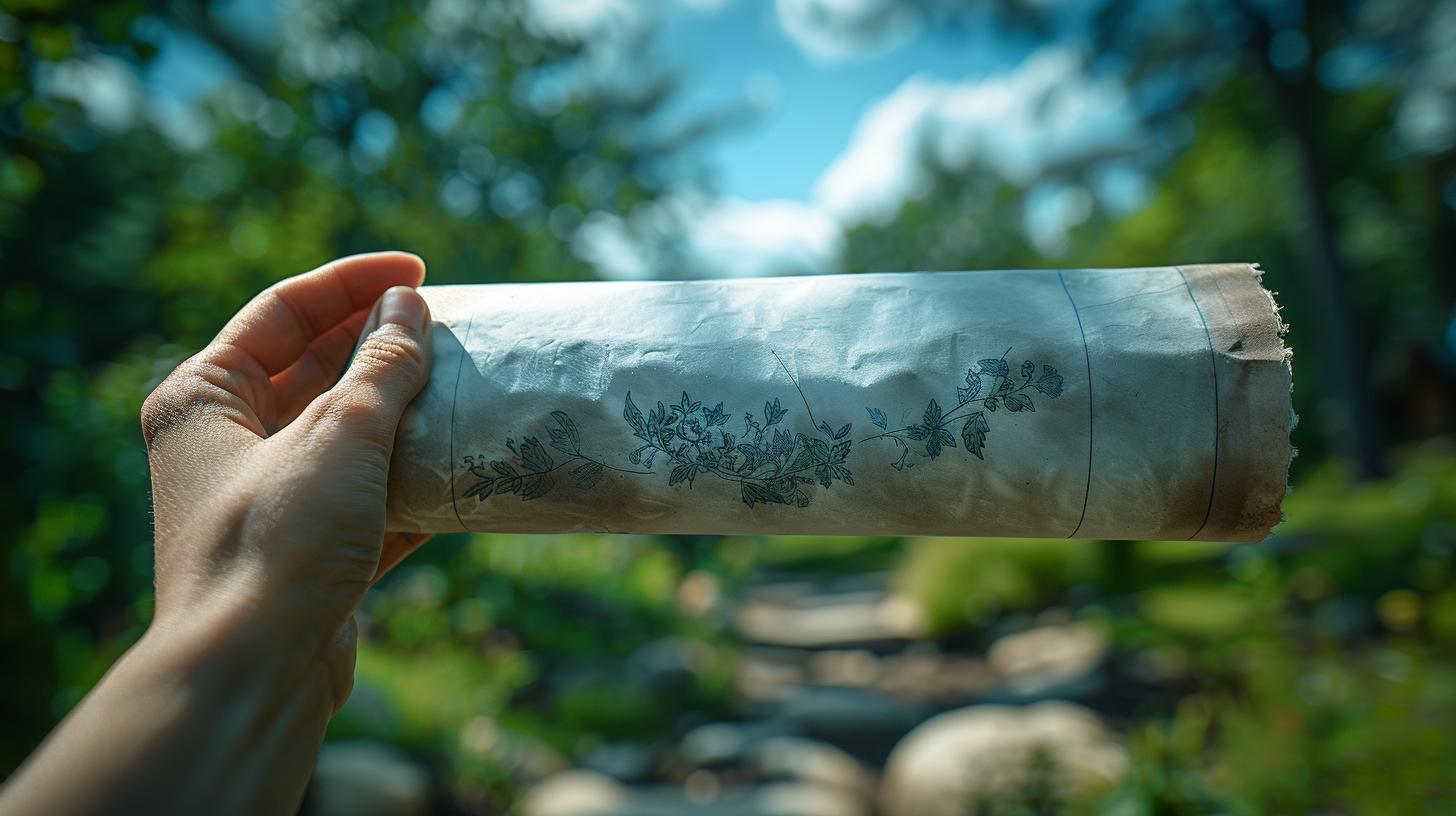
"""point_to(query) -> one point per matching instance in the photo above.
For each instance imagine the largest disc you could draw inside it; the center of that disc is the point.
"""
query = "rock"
(771, 674)
(727, 743)
(805, 760)
(796, 799)
(864, 723)
(623, 761)
(1049, 661)
(363, 778)
(993, 753)
(830, 620)
(698, 796)
(575, 793)
(857, 668)
(924, 675)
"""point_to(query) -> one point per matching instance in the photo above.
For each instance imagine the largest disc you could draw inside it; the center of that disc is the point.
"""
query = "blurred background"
(163, 160)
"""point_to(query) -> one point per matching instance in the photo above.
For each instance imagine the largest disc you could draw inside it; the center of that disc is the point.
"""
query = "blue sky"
(816, 102)
(845, 115)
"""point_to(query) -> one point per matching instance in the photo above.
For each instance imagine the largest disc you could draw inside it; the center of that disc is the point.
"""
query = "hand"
(268, 480)
(268, 468)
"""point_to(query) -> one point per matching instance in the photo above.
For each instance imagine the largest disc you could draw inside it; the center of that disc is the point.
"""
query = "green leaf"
(587, 475)
(878, 418)
(932, 444)
(634, 417)
(481, 489)
(534, 455)
(568, 427)
(536, 486)
(971, 391)
(758, 493)
(1019, 402)
(973, 434)
(682, 473)
(932, 415)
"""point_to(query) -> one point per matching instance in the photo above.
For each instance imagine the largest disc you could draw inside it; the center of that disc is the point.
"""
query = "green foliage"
(1308, 673)
(113, 238)
(963, 583)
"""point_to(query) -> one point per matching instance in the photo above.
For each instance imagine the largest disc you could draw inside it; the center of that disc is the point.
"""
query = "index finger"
(276, 327)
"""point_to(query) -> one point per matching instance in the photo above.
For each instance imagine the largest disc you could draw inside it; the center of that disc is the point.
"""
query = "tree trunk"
(1344, 351)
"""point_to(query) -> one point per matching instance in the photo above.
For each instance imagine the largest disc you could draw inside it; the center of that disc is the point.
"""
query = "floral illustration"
(989, 386)
(770, 463)
(530, 477)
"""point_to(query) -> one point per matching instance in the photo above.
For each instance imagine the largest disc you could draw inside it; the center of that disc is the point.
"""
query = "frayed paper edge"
(1287, 355)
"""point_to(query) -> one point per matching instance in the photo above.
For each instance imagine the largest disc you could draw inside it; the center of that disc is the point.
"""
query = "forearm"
(209, 715)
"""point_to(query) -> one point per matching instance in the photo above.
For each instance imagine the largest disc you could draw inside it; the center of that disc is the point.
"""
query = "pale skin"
(268, 480)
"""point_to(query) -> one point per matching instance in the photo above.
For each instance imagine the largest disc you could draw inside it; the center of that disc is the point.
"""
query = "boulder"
(1049, 661)
(575, 793)
(830, 620)
(953, 762)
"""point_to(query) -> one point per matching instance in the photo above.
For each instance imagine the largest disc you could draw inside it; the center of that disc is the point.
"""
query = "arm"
(268, 481)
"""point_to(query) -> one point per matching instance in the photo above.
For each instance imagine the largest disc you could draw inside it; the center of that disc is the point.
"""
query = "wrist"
(204, 709)
(238, 649)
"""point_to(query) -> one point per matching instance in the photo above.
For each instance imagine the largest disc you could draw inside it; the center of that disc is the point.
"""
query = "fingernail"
(402, 306)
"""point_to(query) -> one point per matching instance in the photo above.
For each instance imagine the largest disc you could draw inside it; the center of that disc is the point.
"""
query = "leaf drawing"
(769, 461)
(989, 385)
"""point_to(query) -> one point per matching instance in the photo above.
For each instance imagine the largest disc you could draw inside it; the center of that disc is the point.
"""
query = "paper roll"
(1130, 403)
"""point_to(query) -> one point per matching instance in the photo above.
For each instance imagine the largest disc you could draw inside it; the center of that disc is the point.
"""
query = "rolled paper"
(1082, 403)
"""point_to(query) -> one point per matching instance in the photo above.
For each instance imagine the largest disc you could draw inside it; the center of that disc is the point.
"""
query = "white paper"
(1134, 403)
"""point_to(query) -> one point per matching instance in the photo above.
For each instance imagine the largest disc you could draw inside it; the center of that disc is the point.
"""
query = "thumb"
(389, 368)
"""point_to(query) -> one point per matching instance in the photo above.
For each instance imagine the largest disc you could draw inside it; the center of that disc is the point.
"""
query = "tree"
(474, 134)
(1272, 64)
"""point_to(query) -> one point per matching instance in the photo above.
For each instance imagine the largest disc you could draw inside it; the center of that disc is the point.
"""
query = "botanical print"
(530, 477)
(991, 378)
(770, 463)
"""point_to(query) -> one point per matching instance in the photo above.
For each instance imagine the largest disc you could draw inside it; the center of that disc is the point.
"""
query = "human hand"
(268, 483)
(268, 468)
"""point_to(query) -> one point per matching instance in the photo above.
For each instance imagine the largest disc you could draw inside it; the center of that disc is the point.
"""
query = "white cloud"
(585, 20)
(1020, 123)
(1043, 112)
(831, 30)
(692, 236)
(601, 22)
(750, 238)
